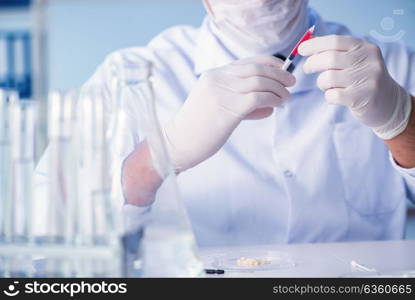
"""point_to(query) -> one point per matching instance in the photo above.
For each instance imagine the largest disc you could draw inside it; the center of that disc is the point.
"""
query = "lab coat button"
(288, 174)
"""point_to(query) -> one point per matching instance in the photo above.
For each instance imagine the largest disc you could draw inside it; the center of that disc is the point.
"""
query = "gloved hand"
(355, 75)
(221, 99)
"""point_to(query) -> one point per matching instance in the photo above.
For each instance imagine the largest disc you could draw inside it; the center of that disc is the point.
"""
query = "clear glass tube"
(58, 160)
(95, 166)
(82, 238)
(168, 245)
(22, 137)
(63, 187)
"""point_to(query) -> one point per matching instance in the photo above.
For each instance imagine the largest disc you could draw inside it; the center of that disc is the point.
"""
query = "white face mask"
(260, 25)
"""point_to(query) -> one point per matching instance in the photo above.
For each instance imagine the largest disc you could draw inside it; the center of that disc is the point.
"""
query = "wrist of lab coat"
(408, 174)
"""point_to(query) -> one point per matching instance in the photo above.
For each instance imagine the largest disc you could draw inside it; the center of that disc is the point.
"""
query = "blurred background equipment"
(14, 3)
(15, 52)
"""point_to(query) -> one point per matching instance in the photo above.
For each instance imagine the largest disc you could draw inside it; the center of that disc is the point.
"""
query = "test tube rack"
(67, 250)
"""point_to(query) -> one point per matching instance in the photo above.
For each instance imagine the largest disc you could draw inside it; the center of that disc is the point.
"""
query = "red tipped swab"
(307, 36)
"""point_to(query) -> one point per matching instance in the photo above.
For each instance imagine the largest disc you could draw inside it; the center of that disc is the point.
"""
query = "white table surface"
(327, 260)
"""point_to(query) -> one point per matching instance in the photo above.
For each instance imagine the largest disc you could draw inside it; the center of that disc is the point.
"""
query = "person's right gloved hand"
(221, 99)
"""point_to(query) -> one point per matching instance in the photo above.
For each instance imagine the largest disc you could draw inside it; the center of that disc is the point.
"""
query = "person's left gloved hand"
(355, 75)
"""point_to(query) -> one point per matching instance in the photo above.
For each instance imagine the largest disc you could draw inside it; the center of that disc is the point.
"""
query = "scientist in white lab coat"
(264, 156)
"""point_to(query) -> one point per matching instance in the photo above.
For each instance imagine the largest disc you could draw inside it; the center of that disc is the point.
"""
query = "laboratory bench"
(355, 259)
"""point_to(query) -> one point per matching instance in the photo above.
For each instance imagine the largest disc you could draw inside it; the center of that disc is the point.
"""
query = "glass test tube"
(22, 137)
(72, 229)
(5, 165)
(61, 213)
(168, 245)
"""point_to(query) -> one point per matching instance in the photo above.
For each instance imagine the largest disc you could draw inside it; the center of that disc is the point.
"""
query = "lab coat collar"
(211, 53)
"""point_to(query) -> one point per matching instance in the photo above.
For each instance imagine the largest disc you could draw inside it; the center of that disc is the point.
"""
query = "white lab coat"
(308, 173)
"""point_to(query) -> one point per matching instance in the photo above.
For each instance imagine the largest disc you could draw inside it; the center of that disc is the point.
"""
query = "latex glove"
(355, 75)
(221, 99)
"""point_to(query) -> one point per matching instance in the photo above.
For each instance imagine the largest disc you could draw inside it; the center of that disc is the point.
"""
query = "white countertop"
(327, 260)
